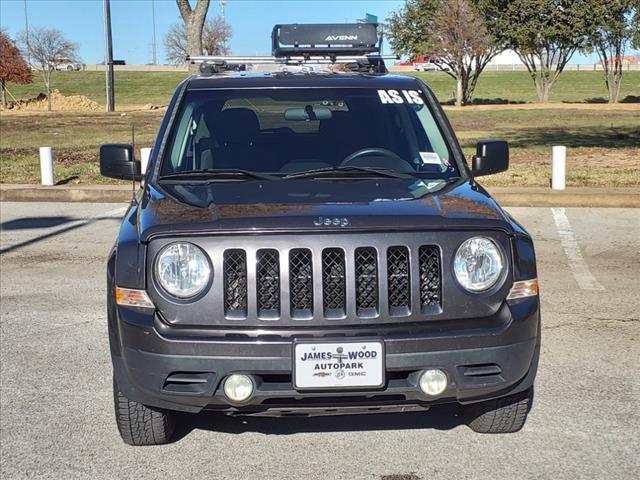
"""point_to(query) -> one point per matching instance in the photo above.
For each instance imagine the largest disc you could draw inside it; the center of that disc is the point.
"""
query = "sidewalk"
(505, 196)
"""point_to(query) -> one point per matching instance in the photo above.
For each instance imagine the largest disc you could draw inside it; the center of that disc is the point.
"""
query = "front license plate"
(338, 365)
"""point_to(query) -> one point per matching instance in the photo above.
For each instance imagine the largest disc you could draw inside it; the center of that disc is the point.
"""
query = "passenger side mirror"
(116, 161)
(492, 156)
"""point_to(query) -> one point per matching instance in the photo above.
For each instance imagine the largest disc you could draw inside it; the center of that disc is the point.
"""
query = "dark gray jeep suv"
(311, 241)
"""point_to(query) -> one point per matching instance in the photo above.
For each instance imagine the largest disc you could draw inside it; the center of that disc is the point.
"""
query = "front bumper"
(182, 370)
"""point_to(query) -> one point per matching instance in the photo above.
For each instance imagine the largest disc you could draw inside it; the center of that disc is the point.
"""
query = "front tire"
(139, 424)
(501, 415)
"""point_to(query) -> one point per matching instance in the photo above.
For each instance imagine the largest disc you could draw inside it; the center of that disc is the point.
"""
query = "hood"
(304, 205)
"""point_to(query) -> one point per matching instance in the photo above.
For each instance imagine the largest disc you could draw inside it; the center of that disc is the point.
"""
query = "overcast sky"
(251, 21)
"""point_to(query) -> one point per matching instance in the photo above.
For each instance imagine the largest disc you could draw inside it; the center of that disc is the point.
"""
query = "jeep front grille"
(368, 282)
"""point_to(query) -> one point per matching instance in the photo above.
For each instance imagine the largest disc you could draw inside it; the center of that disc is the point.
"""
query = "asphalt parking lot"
(56, 418)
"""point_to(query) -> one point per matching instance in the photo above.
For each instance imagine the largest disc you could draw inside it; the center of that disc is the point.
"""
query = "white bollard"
(46, 166)
(145, 153)
(558, 167)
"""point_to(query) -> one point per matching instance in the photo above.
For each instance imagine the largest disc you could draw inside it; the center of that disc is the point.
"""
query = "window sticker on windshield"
(430, 158)
(400, 96)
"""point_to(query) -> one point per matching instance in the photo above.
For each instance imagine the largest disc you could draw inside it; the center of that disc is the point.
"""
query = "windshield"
(284, 132)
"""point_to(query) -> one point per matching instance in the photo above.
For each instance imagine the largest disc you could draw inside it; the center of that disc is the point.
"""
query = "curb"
(505, 196)
(601, 199)
(89, 193)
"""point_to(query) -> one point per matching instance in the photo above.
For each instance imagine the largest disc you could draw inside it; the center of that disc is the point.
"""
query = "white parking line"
(116, 212)
(584, 278)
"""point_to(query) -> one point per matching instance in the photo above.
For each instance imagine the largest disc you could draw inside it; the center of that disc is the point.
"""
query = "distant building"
(507, 57)
(627, 60)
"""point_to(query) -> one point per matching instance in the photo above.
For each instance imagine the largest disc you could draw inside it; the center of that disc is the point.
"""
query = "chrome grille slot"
(398, 280)
(268, 283)
(430, 277)
(301, 282)
(366, 271)
(235, 283)
(333, 283)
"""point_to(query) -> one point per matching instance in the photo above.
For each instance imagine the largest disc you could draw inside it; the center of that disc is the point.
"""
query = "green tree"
(452, 33)
(544, 33)
(635, 25)
(408, 28)
(611, 34)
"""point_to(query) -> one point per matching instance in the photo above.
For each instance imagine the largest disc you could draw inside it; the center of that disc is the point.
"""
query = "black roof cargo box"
(330, 39)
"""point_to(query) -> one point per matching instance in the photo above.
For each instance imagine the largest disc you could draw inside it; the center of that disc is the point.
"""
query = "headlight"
(182, 270)
(478, 264)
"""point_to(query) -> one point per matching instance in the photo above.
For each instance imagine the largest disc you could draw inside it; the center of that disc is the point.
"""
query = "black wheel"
(69, 68)
(139, 424)
(501, 415)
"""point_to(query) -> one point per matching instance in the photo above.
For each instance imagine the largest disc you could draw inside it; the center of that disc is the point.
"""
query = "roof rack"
(210, 65)
(304, 45)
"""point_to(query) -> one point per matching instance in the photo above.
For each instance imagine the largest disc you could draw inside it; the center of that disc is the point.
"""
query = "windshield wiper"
(210, 174)
(341, 170)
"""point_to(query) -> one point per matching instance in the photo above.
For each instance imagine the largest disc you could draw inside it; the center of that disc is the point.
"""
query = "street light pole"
(26, 33)
(111, 101)
(153, 45)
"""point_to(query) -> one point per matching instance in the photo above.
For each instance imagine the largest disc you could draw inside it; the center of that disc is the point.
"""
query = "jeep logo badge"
(331, 222)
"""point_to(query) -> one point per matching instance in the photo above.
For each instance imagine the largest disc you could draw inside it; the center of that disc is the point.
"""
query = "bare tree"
(215, 37)
(47, 47)
(461, 43)
(13, 67)
(194, 23)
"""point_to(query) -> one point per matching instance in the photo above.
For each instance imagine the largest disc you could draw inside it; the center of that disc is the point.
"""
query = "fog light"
(238, 388)
(433, 382)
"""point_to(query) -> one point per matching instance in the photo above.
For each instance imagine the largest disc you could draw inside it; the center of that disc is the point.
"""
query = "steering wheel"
(390, 160)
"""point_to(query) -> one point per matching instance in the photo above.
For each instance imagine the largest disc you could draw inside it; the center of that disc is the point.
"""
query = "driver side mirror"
(116, 161)
(492, 156)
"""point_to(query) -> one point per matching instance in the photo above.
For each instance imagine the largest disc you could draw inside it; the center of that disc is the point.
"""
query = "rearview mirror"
(116, 161)
(306, 114)
(492, 156)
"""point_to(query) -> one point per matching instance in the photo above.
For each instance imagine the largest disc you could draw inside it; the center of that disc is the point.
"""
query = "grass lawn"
(517, 87)
(604, 142)
(140, 88)
(75, 138)
(131, 88)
